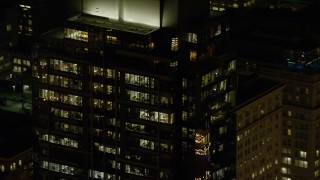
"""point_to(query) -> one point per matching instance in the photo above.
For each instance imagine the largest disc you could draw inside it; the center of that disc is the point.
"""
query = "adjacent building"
(16, 142)
(38, 16)
(288, 51)
(8, 35)
(258, 116)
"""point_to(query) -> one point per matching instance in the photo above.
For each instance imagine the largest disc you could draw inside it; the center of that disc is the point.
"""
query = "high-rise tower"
(133, 93)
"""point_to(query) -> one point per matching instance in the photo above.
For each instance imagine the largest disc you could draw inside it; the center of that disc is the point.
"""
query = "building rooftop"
(13, 99)
(288, 39)
(252, 87)
(113, 24)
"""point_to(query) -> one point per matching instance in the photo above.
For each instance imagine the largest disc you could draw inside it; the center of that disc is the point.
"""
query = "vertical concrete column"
(120, 10)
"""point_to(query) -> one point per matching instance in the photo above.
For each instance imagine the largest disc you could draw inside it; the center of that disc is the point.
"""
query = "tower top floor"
(156, 13)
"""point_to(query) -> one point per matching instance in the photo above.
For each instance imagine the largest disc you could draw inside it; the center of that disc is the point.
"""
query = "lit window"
(184, 132)
(146, 144)
(215, 8)
(59, 168)
(221, 147)
(286, 151)
(17, 69)
(192, 37)
(110, 73)
(98, 103)
(136, 170)
(289, 113)
(289, 132)
(306, 91)
(184, 115)
(174, 64)
(59, 140)
(151, 45)
(96, 174)
(112, 40)
(97, 87)
(76, 34)
(223, 130)
(139, 80)
(232, 65)
(8, 27)
(109, 89)
(174, 44)
(218, 31)
(97, 71)
(140, 97)
(286, 160)
(303, 154)
(184, 83)
(109, 105)
(235, 5)
(26, 62)
(64, 66)
(228, 28)
(193, 55)
(300, 163)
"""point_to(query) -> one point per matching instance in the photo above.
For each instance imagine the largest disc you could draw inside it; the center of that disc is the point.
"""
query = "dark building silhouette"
(8, 34)
(38, 16)
(293, 5)
(15, 142)
(22, 21)
(134, 91)
(16, 124)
